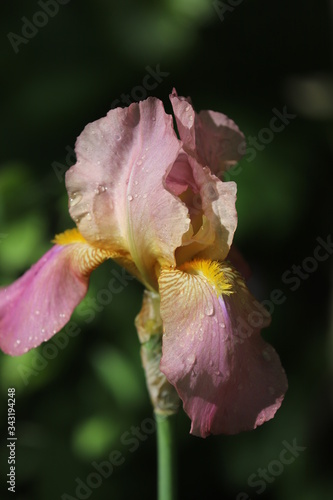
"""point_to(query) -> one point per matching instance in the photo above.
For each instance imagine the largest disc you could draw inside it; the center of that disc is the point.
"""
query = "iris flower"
(154, 202)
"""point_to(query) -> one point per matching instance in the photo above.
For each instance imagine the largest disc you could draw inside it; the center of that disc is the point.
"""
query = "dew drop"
(74, 199)
(222, 325)
(130, 197)
(139, 162)
(187, 108)
(88, 216)
(78, 218)
(144, 196)
(266, 354)
(191, 359)
(37, 312)
(62, 315)
(100, 189)
(136, 183)
(218, 373)
(43, 330)
(17, 342)
(209, 310)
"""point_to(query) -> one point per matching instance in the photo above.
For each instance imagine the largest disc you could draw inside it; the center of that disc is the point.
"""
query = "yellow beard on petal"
(218, 274)
(69, 236)
(86, 256)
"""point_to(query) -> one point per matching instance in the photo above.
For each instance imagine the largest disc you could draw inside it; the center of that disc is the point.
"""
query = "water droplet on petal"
(266, 354)
(100, 189)
(17, 342)
(88, 216)
(209, 310)
(139, 162)
(187, 108)
(43, 330)
(136, 183)
(191, 359)
(74, 198)
(130, 197)
(37, 312)
(222, 325)
(144, 196)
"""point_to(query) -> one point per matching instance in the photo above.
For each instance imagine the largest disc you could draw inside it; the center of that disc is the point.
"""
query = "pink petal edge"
(229, 378)
(211, 136)
(41, 302)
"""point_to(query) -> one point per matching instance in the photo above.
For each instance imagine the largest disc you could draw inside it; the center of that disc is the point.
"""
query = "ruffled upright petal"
(116, 188)
(213, 137)
(211, 206)
(41, 302)
(229, 378)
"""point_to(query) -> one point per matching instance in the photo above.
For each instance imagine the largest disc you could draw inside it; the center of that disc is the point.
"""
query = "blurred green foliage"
(75, 403)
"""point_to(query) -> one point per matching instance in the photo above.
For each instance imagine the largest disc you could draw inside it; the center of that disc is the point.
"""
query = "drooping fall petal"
(116, 191)
(41, 302)
(213, 137)
(229, 378)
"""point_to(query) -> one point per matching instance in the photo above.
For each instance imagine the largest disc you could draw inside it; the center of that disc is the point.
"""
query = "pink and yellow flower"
(153, 202)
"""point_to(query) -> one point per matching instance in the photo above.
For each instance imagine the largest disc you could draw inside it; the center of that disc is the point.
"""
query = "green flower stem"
(166, 457)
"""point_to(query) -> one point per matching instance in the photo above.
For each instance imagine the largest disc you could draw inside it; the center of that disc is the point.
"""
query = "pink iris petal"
(116, 191)
(229, 378)
(213, 137)
(41, 302)
(211, 205)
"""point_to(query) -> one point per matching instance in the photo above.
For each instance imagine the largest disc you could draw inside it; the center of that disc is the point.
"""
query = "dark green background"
(75, 410)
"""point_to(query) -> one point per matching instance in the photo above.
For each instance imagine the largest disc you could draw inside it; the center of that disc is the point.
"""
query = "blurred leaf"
(95, 436)
(25, 242)
(119, 376)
